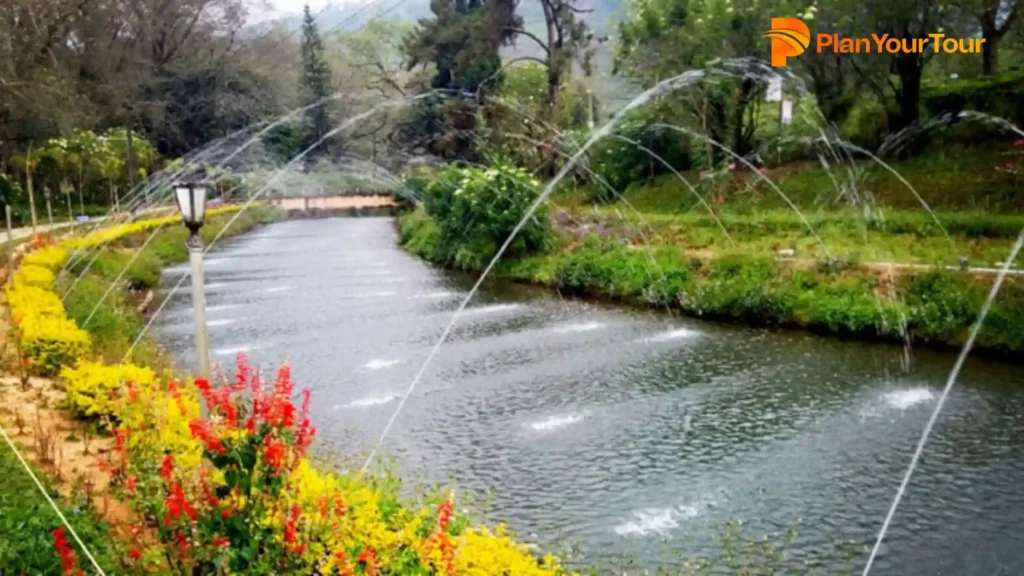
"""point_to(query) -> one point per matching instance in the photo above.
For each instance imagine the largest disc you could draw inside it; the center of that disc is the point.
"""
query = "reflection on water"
(619, 428)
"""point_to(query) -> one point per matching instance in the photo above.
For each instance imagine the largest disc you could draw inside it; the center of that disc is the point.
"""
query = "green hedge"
(1001, 96)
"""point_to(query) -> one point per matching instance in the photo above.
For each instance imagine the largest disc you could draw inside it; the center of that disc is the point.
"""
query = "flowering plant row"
(234, 491)
(119, 231)
(49, 338)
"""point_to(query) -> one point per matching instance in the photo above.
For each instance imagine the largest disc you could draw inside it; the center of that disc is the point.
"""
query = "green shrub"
(849, 308)
(477, 209)
(622, 164)
(741, 287)
(1001, 96)
(940, 305)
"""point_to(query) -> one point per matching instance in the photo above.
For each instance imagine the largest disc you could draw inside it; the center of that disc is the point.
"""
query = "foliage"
(48, 337)
(34, 276)
(49, 257)
(95, 389)
(253, 503)
(27, 520)
(112, 233)
(477, 209)
(628, 156)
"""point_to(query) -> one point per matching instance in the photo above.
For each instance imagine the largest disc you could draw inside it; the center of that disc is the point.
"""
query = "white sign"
(787, 112)
(774, 89)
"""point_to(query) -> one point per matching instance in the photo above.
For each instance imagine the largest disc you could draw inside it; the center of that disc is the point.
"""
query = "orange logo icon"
(790, 37)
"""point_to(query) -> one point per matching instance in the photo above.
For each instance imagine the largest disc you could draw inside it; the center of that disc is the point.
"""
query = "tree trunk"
(739, 140)
(553, 82)
(71, 213)
(909, 68)
(989, 54)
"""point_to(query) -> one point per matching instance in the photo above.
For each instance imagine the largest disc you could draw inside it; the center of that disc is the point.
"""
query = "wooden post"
(49, 208)
(10, 247)
(28, 181)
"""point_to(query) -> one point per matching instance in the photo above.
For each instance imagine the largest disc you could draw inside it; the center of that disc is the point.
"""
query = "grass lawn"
(978, 204)
(26, 522)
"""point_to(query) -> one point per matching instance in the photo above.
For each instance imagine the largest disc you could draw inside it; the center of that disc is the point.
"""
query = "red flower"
(26, 361)
(273, 453)
(369, 557)
(177, 505)
(131, 484)
(222, 541)
(1019, 143)
(203, 430)
(305, 436)
(242, 373)
(133, 393)
(68, 562)
(136, 554)
(225, 513)
(289, 526)
(181, 540)
(167, 468)
(444, 513)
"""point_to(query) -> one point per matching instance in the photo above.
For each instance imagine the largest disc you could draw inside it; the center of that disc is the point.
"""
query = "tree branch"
(531, 36)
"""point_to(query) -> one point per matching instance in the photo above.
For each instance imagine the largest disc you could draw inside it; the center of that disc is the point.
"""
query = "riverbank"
(662, 263)
(177, 471)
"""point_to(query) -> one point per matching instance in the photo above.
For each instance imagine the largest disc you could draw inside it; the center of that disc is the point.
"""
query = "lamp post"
(191, 198)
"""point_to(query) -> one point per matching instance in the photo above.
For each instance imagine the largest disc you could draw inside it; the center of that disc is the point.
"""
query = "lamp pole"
(192, 204)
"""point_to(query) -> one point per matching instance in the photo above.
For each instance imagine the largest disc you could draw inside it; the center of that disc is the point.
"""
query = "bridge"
(327, 205)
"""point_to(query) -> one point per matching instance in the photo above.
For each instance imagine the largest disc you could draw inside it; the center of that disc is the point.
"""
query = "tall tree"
(315, 84)
(461, 40)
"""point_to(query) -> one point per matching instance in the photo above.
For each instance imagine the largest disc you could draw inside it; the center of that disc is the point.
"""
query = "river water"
(631, 433)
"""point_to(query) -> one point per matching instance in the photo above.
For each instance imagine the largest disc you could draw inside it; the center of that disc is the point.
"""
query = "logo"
(790, 37)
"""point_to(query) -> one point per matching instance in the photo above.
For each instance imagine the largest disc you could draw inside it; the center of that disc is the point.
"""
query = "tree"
(567, 39)
(461, 40)
(996, 17)
(895, 79)
(663, 38)
(315, 83)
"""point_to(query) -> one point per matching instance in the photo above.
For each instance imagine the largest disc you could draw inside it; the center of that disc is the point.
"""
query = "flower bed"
(235, 492)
